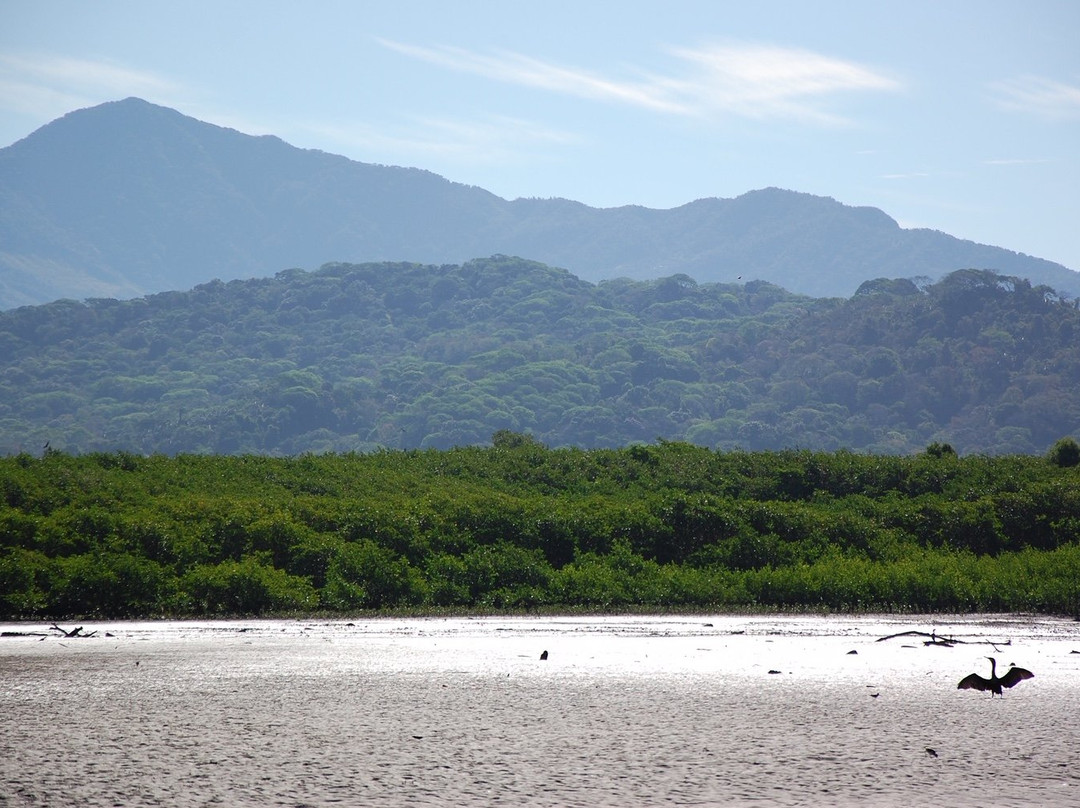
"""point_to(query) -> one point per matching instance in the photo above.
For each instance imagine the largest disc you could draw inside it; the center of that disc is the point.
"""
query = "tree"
(940, 450)
(1065, 453)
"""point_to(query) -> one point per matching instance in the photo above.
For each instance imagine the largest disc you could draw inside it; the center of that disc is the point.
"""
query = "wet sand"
(628, 711)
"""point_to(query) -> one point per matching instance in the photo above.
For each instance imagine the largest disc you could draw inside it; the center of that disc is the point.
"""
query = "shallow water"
(627, 711)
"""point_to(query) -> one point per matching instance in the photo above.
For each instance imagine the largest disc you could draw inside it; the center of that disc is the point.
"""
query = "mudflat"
(629, 711)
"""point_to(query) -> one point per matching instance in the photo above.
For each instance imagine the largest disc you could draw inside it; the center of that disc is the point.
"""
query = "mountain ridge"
(130, 198)
(405, 356)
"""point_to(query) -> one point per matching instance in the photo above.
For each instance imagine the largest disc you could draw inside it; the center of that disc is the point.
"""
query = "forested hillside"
(519, 526)
(362, 357)
(128, 198)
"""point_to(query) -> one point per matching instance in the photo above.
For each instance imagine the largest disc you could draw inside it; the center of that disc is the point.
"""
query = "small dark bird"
(931, 752)
(544, 655)
(1013, 677)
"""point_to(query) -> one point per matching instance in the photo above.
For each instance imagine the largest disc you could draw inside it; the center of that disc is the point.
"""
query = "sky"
(957, 115)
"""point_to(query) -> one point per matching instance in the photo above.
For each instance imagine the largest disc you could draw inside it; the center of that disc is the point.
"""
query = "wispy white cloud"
(27, 98)
(47, 84)
(1036, 95)
(1019, 161)
(518, 69)
(489, 141)
(751, 81)
(757, 81)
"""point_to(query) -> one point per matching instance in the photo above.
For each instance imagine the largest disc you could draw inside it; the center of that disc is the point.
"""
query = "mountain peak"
(110, 114)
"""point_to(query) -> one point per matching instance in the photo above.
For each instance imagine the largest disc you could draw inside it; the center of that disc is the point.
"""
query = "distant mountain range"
(128, 198)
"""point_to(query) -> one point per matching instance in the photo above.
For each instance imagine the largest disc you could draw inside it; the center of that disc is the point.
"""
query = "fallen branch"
(945, 642)
(75, 632)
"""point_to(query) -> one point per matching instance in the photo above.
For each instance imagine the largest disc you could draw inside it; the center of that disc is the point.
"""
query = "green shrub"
(1065, 453)
(25, 583)
(109, 585)
(244, 587)
(363, 575)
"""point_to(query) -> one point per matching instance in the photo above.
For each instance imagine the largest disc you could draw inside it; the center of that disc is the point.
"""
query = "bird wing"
(1015, 676)
(973, 682)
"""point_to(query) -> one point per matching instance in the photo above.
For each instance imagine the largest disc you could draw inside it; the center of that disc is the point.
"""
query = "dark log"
(947, 642)
(944, 642)
(74, 633)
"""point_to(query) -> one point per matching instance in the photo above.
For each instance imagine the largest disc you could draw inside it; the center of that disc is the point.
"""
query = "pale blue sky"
(961, 116)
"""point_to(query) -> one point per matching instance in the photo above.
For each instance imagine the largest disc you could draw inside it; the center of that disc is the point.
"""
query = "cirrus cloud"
(47, 84)
(757, 81)
(490, 141)
(1036, 95)
(750, 81)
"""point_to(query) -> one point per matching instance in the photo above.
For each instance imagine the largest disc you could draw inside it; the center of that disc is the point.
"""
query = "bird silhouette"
(1012, 677)
(544, 655)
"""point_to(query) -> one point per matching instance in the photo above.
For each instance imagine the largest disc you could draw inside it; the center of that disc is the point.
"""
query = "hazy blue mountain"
(129, 198)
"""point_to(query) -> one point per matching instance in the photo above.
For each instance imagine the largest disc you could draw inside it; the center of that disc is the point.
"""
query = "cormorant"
(1013, 677)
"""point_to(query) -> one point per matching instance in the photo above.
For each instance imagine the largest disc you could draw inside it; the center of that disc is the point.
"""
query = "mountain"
(358, 357)
(129, 198)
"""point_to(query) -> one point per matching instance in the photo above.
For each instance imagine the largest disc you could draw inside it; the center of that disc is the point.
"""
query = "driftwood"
(75, 632)
(944, 642)
(934, 638)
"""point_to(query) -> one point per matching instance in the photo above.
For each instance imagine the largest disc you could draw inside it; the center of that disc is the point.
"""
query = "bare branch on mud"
(75, 632)
(944, 641)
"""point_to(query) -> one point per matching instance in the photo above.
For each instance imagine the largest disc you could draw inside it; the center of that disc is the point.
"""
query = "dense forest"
(517, 525)
(358, 358)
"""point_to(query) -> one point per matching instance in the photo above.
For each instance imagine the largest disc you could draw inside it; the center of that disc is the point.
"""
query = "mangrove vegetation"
(515, 525)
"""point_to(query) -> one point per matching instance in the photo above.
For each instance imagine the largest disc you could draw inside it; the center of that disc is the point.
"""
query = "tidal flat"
(626, 710)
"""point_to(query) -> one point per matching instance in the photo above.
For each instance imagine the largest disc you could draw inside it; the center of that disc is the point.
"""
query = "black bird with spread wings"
(1012, 677)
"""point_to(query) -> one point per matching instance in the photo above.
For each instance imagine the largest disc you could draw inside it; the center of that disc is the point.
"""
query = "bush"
(505, 567)
(244, 587)
(448, 581)
(110, 585)
(1065, 453)
(25, 582)
(363, 575)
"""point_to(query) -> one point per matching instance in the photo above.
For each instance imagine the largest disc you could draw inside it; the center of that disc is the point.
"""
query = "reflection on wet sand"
(624, 711)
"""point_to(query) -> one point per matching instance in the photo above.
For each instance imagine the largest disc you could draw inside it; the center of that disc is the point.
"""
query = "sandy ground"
(625, 711)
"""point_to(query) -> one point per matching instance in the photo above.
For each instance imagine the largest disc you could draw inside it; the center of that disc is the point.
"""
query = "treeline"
(403, 356)
(516, 525)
